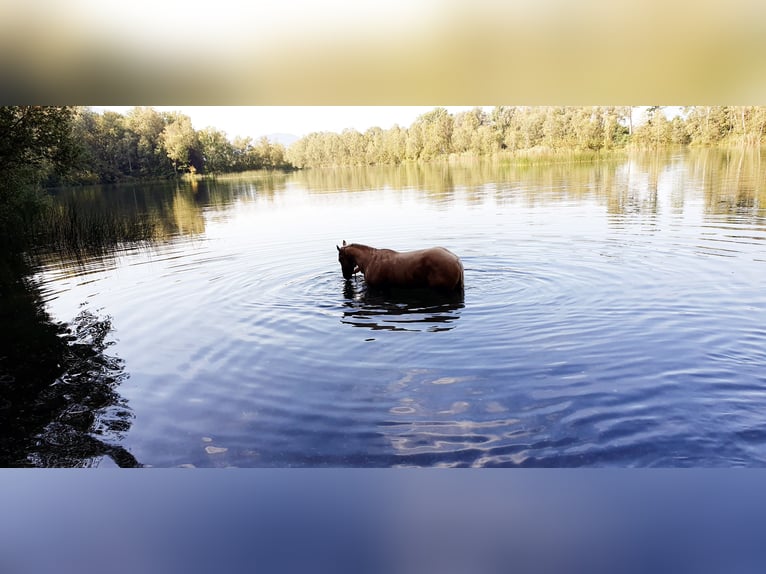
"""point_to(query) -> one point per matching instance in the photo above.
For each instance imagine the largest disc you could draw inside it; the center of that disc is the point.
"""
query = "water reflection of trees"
(96, 219)
(634, 188)
(433, 178)
(59, 399)
(534, 182)
(732, 180)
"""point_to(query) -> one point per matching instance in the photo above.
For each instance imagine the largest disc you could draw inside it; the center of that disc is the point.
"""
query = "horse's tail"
(461, 279)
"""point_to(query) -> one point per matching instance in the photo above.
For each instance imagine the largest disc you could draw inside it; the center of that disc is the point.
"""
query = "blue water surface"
(614, 315)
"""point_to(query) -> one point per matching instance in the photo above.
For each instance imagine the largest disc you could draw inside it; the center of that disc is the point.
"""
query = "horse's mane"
(359, 246)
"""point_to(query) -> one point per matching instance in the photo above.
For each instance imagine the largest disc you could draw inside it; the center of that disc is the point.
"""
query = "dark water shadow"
(400, 309)
(59, 399)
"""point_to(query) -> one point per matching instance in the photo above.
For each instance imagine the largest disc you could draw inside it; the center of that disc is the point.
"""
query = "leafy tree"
(617, 126)
(242, 149)
(148, 124)
(436, 131)
(179, 139)
(217, 152)
(553, 128)
(655, 131)
(296, 153)
(590, 135)
(277, 155)
(708, 125)
(679, 134)
(486, 140)
(466, 125)
(756, 125)
(396, 144)
(507, 122)
(38, 137)
(476, 132)
(353, 146)
(532, 122)
(108, 145)
(414, 144)
(502, 120)
(268, 155)
(35, 143)
(627, 113)
(375, 151)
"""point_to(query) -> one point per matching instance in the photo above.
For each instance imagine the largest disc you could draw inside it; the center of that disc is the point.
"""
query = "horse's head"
(347, 261)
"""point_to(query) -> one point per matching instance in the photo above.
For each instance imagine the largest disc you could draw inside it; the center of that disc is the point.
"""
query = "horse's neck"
(363, 254)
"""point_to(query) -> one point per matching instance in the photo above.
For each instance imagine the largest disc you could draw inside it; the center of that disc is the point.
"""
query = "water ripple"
(583, 338)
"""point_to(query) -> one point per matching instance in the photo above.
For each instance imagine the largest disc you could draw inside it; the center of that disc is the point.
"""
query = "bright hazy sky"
(297, 120)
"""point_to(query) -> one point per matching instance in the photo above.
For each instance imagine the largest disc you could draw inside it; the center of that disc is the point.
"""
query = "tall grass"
(543, 155)
(73, 227)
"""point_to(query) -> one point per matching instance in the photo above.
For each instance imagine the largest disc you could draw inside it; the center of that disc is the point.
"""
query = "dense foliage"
(35, 142)
(45, 146)
(48, 146)
(110, 147)
(521, 130)
(146, 143)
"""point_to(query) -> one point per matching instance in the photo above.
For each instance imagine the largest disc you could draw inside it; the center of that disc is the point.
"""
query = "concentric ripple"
(621, 326)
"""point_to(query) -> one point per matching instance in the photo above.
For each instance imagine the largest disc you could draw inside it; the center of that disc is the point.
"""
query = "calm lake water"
(614, 315)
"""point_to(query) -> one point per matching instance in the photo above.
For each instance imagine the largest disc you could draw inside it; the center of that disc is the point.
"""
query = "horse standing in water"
(435, 268)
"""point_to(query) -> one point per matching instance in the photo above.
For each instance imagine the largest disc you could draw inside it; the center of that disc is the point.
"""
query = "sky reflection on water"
(613, 316)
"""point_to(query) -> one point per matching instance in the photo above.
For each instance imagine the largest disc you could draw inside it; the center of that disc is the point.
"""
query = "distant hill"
(284, 139)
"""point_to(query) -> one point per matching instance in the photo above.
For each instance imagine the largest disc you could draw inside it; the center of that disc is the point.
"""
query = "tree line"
(521, 129)
(146, 143)
(45, 146)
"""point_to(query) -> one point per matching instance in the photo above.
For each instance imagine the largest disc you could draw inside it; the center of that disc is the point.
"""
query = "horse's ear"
(344, 243)
(338, 248)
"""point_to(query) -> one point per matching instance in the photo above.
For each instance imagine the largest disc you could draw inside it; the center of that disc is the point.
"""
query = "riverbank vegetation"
(55, 146)
(523, 133)
(145, 143)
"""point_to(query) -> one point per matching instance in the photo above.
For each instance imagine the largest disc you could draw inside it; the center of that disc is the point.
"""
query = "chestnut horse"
(434, 268)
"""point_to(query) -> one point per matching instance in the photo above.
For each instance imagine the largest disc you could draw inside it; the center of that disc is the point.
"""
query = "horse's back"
(444, 269)
(434, 268)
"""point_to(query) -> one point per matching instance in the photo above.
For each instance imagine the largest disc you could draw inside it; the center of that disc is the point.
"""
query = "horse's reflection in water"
(396, 309)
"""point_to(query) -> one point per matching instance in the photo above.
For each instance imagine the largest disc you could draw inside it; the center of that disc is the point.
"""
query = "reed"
(543, 156)
(75, 227)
